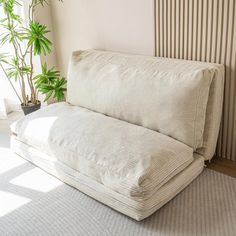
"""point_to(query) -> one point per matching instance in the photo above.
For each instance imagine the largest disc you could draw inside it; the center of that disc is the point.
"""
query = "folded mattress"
(128, 159)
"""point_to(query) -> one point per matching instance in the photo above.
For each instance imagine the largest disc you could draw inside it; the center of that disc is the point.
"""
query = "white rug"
(35, 203)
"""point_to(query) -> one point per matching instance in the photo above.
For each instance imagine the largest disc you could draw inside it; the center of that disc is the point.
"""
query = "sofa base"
(137, 210)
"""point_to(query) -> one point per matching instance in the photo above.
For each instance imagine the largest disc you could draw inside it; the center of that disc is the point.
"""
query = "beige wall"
(124, 25)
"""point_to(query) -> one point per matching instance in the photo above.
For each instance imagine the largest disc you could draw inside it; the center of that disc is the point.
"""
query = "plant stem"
(14, 43)
(33, 90)
(11, 83)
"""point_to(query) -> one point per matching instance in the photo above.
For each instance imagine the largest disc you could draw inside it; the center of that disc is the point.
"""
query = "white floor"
(35, 203)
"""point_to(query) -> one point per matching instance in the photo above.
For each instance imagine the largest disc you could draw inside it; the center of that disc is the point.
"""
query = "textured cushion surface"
(126, 158)
(169, 96)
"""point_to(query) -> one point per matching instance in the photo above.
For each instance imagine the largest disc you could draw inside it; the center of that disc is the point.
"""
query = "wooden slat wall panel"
(203, 30)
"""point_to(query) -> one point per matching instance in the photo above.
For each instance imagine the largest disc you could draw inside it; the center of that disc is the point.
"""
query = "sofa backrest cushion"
(213, 113)
(166, 95)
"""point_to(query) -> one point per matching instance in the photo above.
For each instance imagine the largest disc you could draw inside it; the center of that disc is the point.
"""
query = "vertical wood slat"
(210, 15)
(173, 29)
(233, 84)
(203, 30)
(190, 29)
(230, 33)
(233, 92)
(223, 59)
(161, 24)
(177, 37)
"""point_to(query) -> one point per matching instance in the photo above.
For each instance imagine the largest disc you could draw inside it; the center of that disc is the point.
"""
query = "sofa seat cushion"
(126, 158)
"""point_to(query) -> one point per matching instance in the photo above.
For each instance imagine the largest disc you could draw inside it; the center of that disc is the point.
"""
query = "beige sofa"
(134, 131)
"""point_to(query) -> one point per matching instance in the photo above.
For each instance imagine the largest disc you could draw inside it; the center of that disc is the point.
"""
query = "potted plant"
(28, 40)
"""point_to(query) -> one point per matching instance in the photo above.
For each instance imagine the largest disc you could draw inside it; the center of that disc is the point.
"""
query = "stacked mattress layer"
(136, 209)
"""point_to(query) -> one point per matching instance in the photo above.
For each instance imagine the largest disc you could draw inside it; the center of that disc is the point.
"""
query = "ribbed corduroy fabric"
(135, 208)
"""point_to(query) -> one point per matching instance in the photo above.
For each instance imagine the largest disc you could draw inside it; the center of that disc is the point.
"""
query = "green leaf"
(49, 94)
(4, 58)
(36, 38)
(50, 82)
